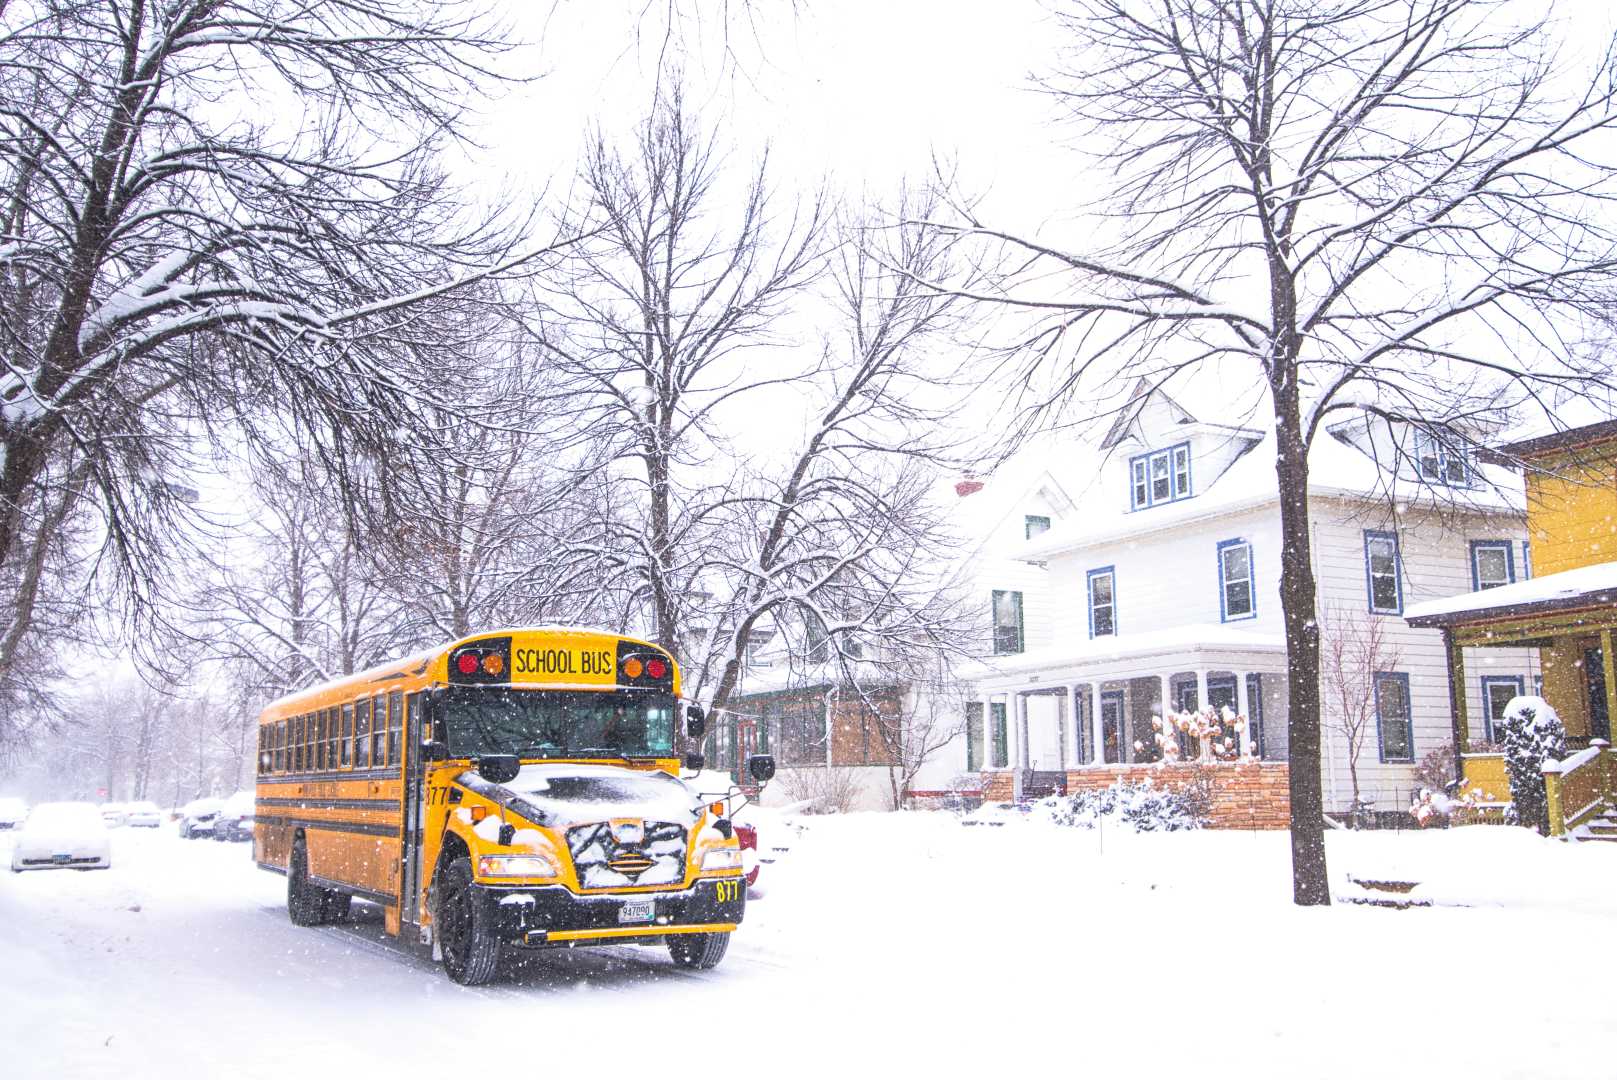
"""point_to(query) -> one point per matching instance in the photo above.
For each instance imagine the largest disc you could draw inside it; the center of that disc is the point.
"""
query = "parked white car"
(114, 814)
(197, 816)
(146, 815)
(62, 834)
(12, 812)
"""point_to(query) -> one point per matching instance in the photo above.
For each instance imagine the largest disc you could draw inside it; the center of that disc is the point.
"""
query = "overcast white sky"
(865, 92)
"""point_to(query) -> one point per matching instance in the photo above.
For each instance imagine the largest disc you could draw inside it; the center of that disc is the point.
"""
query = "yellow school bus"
(511, 790)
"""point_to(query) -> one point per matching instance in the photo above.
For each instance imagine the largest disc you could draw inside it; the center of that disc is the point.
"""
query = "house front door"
(1594, 681)
(1111, 725)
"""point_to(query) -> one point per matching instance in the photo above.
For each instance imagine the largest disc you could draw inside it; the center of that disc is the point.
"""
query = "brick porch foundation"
(1253, 795)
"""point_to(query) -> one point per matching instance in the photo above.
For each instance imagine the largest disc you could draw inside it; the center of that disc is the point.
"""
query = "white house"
(1162, 584)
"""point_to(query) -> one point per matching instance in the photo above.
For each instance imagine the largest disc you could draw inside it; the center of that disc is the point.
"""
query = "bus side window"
(278, 738)
(379, 731)
(305, 734)
(334, 733)
(395, 724)
(295, 747)
(346, 740)
(362, 736)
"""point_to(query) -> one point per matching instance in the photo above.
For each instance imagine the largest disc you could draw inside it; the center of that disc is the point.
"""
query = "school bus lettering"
(563, 662)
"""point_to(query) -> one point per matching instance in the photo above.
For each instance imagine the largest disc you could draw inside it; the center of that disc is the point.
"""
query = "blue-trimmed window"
(1102, 602)
(1395, 729)
(1497, 690)
(1441, 461)
(1254, 719)
(1493, 563)
(1237, 596)
(1383, 573)
(999, 732)
(1159, 476)
(1527, 560)
(1008, 637)
(1034, 525)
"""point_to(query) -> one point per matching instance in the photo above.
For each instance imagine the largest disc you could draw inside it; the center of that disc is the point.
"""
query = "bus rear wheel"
(699, 951)
(306, 902)
(471, 952)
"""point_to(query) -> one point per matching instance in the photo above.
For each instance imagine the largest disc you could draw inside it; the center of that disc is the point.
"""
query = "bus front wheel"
(698, 951)
(471, 951)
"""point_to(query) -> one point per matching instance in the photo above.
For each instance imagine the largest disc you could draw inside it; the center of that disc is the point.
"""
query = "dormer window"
(1160, 476)
(1438, 462)
(1035, 525)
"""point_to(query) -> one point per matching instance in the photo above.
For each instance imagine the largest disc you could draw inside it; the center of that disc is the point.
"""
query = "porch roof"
(1176, 648)
(1585, 587)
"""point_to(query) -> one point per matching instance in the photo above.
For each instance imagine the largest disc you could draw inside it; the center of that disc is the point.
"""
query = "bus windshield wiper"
(599, 752)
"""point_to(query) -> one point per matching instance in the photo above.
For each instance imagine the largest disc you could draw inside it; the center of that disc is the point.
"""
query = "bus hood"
(562, 795)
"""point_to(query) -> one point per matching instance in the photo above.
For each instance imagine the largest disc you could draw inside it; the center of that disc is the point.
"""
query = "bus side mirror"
(695, 762)
(695, 721)
(761, 767)
(499, 768)
(433, 750)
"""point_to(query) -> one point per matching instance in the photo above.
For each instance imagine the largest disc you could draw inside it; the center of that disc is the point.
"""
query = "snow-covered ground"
(882, 942)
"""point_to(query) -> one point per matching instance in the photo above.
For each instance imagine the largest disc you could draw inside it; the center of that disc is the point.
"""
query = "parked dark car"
(235, 821)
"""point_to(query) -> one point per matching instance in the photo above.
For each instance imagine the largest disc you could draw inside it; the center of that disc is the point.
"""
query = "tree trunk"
(1310, 885)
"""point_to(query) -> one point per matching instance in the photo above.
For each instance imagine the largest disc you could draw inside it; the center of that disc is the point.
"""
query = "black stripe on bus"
(364, 828)
(330, 777)
(363, 894)
(312, 803)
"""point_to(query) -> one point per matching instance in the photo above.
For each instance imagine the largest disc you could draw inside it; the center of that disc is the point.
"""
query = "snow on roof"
(1336, 468)
(1189, 638)
(1587, 584)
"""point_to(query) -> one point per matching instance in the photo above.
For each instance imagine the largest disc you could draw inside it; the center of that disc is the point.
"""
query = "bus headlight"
(532, 866)
(722, 859)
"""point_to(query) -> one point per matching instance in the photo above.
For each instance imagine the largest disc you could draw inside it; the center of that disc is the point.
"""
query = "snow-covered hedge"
(1533, 734)
(1140, 805)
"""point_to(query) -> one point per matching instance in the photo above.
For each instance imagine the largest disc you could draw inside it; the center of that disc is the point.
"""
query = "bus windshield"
(558, 723)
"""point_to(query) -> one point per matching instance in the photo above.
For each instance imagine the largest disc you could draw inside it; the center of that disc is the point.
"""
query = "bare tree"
(930, 715)
(1353, 648)
(677, 292)
(204, 229)
(1400, 207)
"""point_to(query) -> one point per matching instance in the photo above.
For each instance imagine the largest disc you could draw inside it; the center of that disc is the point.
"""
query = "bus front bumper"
(552, 915)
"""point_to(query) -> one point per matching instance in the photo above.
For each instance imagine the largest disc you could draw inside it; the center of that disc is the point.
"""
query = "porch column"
(1164, 706)
(1462, 729)
(1012, 742)
(1243, 707)
(1069, 729)
(1609, 662)
(1095, 723)
(1021, 729)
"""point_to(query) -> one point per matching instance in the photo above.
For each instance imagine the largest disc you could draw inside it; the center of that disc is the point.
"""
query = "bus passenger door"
(414, 821)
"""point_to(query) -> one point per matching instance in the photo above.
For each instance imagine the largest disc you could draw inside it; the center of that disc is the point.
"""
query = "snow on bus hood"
(570, 795)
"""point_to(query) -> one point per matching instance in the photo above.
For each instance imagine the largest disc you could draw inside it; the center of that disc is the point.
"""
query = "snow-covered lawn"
(890, 942)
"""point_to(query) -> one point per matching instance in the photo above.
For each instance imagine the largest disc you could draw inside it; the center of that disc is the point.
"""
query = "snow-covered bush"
(1533, 734)
(1432, 807)
(1138, 804)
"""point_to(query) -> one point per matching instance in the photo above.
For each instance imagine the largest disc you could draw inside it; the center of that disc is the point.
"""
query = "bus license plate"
(637, 911)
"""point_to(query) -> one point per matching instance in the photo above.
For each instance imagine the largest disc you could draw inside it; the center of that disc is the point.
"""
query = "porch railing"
(1579, 788)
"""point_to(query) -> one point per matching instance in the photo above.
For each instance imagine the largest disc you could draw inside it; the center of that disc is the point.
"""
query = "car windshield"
(555, 723)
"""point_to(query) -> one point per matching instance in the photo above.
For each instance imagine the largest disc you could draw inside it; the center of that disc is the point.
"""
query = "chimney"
(970, 485)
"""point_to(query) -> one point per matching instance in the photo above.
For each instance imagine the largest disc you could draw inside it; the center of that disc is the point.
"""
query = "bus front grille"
(655, 857)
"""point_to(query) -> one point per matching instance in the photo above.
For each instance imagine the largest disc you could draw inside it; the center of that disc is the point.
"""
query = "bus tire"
(338, 905)
(699, 952)
(305, 901)
(471, 952)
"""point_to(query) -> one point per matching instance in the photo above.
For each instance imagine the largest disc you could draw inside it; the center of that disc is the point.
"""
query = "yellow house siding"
(1572, 509)
(1564, 683)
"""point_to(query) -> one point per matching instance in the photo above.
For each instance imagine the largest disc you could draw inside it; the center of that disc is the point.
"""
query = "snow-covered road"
(882, 942)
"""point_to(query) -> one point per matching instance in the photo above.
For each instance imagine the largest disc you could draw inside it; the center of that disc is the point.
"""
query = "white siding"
(1435, 554)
